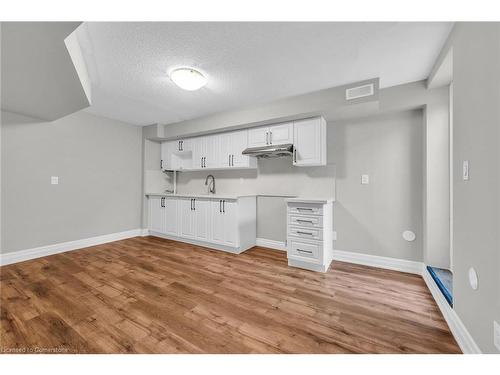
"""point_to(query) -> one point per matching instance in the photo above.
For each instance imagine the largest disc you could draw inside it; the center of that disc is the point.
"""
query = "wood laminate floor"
(150, 295)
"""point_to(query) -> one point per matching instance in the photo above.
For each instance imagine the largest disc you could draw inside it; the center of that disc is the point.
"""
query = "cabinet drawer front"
(307, 233)
(305, 209)
(310, 251)
(306, 221)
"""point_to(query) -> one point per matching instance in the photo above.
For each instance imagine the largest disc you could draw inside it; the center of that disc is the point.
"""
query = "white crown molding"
(37, 252)
(271, 244)
(395, 264)
(457, 328)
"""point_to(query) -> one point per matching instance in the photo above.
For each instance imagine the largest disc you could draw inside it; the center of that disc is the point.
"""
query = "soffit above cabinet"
(43, 73)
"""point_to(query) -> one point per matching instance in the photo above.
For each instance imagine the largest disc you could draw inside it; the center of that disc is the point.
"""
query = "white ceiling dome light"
(188, 78)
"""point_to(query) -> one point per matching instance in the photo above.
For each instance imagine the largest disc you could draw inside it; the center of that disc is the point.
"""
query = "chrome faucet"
(211, 187)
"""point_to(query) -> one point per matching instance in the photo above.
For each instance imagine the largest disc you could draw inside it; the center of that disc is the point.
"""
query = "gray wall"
(371, 218)
(437, 184)
(476, 205)
(98, 162)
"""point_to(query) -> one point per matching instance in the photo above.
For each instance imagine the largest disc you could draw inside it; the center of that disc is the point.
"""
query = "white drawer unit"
(309, 233)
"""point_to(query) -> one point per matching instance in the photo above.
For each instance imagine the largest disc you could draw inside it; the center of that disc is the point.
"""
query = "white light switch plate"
(496, 335)
(465, 170)
(365, 179)
(54, 180)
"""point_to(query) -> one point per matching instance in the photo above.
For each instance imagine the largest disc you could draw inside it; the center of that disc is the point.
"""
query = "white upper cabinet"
(231, 146)
(271, 135)
(281, 134)
(176, 155)
(309, 142)
(258, 137)
(205, 152)
(224, 150)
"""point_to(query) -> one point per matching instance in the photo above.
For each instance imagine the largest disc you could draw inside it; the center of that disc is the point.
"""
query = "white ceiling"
(246, 63)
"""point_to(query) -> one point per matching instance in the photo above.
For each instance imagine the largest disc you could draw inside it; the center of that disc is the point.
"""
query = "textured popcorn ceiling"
(245, 63)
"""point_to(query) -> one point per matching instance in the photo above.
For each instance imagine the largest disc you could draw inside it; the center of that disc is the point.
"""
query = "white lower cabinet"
(224, 224)
(156, 214)
(202, 219)
(187, 218)
(170, 212)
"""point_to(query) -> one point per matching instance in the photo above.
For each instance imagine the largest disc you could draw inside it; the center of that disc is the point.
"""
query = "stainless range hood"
(272, 151)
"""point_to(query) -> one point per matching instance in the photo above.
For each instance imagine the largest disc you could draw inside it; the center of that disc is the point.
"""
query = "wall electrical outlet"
(54, 180)
(365, 179)
(496, 334)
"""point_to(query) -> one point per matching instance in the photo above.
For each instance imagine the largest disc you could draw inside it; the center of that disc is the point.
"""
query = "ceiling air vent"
(359, 92)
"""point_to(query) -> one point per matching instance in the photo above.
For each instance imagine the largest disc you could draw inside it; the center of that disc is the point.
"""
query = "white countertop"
(200, 196)
(310, 200)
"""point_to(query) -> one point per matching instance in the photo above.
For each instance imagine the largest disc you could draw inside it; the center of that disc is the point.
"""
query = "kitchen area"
(252, 186)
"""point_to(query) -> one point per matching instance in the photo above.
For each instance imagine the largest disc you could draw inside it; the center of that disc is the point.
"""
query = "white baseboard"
(144, 232)
(457, 328)
(37, 252)
(277, 245)
(395, 264)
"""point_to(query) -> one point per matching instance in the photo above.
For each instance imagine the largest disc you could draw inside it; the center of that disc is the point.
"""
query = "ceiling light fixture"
(188, 78)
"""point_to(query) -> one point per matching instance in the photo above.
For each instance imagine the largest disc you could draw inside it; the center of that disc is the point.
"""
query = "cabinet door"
(230, 214)
(167, 148)
(202, 219)
(258, 137)
(198, 151)
(238, 142)
(212, 151)
(281, 134)
(217, 222)
(155, 222)
(225, 150)
(187, 218)
(170, 216)
(308, 139)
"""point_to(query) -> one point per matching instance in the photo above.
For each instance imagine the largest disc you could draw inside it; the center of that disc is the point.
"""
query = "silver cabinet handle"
(270, 138)
(308, 233)
(304, 209)
(305, 221)
(232, 160)
(229, 160)
(294, 155)
(201, 162)
(304, 251)
(204, 162)
(223, 206)
(267, 138)
(194, 204)
(220, 206)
